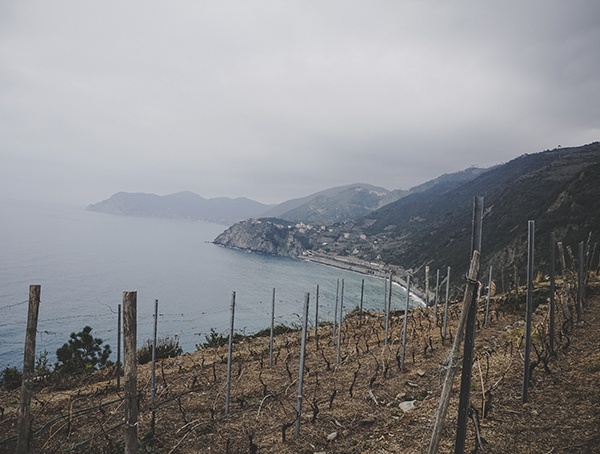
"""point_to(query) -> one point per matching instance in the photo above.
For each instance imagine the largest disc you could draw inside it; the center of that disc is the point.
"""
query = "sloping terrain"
(557, 189)
(366, 403)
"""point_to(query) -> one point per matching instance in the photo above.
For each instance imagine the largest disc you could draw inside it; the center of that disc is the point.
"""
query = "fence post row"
(28, 369)
(130, 367)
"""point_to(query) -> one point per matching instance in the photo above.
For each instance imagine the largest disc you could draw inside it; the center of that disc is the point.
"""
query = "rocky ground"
(369, 402)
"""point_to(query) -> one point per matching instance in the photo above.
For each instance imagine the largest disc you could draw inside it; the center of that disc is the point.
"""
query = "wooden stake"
(272, 329)
(471, 290)
(529, 308)
(301, 371)
(130, 369)
(28, 370)
(405, 326)
(229, 354)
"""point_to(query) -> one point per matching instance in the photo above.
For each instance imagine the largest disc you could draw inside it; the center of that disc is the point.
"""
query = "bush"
(165, 348)
(215, 339)
(82, 353)
(10, 378)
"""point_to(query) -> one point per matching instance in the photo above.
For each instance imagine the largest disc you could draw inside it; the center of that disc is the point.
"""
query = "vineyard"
(366, 398)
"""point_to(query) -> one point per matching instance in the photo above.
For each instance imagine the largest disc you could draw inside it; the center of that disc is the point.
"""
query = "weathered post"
(229, 355)
(28, 369)
(404, 328)
(580, 282)
(552, 288)
(387, 313)
(471, 290)
(427, 285)
(130, 368)
(446, 305)
(529, 309)
(467, 365)
(153, 374)
(301, 371)
(487, 303)
(388, 308)
(317, 317)
(339, 333)
(437, 286)
(362, 294)
(272, 329)
(119, 349)
(337, 296)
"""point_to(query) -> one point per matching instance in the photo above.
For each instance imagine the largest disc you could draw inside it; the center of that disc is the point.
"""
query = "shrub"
(10, 378)
(215, 339)
(82, 353)
(165, 348)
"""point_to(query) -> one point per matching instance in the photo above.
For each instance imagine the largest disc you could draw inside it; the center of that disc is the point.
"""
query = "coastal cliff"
(269, 236)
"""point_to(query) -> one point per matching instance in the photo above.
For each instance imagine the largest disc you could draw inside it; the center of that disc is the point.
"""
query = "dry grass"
(358, 399)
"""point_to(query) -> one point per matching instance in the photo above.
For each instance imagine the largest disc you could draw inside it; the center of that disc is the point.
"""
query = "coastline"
(360, 266)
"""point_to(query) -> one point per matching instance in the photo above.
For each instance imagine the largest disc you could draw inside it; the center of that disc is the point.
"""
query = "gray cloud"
(274, 100)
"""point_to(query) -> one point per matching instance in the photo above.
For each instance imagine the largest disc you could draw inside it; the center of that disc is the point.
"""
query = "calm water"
(85, 260)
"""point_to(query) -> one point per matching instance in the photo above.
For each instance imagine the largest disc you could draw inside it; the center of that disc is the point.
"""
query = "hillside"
(557, 189)
(431, 224)
(369, 402)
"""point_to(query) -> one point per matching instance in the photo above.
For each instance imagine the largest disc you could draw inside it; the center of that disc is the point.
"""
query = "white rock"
(407, 405)
(332, 436)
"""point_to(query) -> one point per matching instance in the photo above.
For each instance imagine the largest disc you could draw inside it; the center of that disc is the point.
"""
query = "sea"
(85, 260)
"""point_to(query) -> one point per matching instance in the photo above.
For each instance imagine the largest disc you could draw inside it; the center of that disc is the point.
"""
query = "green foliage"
(10, 378)
(277, 330)
(82, 353)
(165, 348)
(215, 339)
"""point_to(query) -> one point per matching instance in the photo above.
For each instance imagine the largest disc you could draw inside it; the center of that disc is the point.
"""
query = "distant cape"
(183, 205)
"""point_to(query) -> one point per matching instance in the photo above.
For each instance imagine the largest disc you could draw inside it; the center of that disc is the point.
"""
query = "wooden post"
(471, 290)
(446, 305)
(437, 286)
(552, 288)
(362, 294)
(339, 333)
(580, 283)
(317, 317)
(229, 354)
(487, 303)
(119, 349)
(301, 371)
(529, 308)
(388, 309)
(28, 369)
(427, 286)
(153, 373)
(272, 329)
(130, 368)
(333, 328)
(404, 328)
(467, 365)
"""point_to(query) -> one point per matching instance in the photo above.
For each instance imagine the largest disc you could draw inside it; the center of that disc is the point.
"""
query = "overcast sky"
(275, 100)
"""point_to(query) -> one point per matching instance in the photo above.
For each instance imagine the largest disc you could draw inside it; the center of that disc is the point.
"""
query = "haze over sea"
(85, 260)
